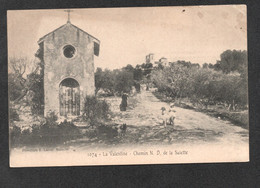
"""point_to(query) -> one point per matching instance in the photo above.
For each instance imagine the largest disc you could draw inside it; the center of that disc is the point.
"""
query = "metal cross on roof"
(68, 11)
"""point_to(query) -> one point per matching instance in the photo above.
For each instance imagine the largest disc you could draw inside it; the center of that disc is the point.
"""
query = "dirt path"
(202, 137)
(190, 126)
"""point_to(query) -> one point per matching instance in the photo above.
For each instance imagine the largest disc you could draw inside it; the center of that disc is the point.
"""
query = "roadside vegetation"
(50, 133)
(219, 90)
(216, 89)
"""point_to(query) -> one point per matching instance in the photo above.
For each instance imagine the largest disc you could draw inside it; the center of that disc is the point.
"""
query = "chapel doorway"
(69, 95)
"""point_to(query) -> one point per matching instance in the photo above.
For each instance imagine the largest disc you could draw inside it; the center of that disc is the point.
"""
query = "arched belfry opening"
(69, 96)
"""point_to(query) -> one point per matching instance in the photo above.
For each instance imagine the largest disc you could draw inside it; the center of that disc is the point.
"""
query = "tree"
(138, 74)
(116, 81)
(147, 68)
(195, 65)
(105, 80)
(25, 81)
(201, 85)
(124, 81)
(184, 63)
(14, 87)
(129, 68)
(36, 91)
(20, 71)
(98, 79)
(205, 65)
(16, 78)
(231, 61)
(160, 66)
(211, 66)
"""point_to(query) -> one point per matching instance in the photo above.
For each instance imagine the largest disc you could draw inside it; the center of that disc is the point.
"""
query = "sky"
(197, 34)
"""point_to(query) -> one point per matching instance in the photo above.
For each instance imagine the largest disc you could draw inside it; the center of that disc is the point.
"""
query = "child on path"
(171, 114)
(164, 116)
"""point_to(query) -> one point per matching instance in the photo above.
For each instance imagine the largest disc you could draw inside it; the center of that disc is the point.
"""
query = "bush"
(200, 85)
(51, 118)
(103, 134)
(95, 110)
(13, 115)
(37, 98)
(15, 135)
(14, 87)
(48, 134)
(106, 132)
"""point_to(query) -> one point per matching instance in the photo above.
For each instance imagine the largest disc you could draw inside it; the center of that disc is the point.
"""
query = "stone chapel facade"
(68, 57)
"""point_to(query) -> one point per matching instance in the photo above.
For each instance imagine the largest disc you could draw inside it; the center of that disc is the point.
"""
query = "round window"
(69, 51)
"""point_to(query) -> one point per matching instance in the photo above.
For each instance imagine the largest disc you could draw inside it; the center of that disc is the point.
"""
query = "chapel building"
(67, 54)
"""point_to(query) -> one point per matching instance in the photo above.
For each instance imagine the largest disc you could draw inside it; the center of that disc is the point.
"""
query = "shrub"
(13, 115)
(106, 132)
(51, 118)
(68, 129)
(48, 134)
(15, 135)
(103, 133)
(37, 99)
(95, 110)
(54, 133)
(14, 87)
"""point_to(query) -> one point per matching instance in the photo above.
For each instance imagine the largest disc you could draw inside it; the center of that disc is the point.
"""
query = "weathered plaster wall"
(58, 67)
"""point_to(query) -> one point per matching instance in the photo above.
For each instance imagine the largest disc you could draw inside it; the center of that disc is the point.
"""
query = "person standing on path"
(123, 104)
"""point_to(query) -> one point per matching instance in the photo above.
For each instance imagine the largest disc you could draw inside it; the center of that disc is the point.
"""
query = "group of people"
(168, 115)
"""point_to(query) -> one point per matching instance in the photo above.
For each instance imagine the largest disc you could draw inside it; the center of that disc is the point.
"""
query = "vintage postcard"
(124, 86)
